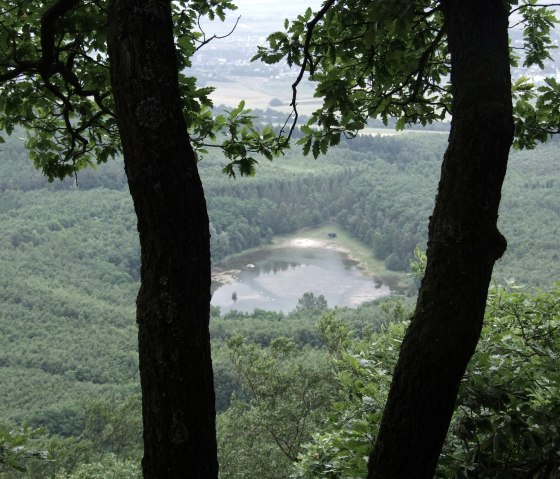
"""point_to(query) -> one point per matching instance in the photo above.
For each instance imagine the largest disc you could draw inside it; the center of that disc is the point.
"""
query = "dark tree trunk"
(463, 245)
(174, 299)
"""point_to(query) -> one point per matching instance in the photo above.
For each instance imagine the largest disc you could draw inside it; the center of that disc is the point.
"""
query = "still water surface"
(275, 278)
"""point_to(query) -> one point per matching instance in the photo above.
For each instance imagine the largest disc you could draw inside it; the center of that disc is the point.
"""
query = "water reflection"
(274, 279)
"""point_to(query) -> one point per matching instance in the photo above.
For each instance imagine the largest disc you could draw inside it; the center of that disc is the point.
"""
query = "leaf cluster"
(363, 369)
(16, 452)
(369, 60)
(286, 391)
(506, 422)
(55, 83)
(389, 60)
(235, 133)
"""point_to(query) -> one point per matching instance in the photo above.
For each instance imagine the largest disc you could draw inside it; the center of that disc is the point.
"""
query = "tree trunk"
(463, 245)
(174, 299)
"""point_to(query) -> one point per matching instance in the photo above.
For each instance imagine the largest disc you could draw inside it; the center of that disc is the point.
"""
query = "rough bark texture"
(174, 299)
(463, 245)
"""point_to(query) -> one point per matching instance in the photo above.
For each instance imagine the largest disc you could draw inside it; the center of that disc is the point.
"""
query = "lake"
(274, 278)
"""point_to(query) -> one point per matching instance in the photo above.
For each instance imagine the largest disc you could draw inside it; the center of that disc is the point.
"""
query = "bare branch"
(214, 37)
(423, 63)
(306, 60)
(536, 5)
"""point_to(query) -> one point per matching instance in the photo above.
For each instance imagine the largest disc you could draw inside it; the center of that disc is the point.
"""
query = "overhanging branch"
(48, 21)
(306, 60)
(205, 40)
(536, 5)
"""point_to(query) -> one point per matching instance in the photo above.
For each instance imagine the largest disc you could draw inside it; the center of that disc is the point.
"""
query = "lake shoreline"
(274, 277)
(319, 238)
(224, 276)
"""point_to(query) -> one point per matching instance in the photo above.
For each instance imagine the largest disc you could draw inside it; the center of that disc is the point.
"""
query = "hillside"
(69, 264)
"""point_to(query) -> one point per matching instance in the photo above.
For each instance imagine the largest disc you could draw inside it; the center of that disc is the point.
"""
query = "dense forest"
(69, 270)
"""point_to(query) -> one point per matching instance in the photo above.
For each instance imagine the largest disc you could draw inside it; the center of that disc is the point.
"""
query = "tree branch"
(214, 37)
(537, 5)
(48, 20)
(422, 65)
(306, 59)
(10, 75)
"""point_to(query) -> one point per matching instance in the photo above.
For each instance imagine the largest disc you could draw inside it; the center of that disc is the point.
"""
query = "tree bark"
(174, 298)
(463, 245)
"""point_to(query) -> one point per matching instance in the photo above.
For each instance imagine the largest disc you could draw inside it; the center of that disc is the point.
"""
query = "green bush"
(507, 418)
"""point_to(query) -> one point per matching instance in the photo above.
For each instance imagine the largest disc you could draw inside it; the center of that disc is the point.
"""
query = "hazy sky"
(261, 17)
(265, 16)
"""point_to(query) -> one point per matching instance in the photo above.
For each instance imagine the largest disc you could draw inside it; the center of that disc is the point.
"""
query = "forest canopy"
(83, 81)
(70, 272)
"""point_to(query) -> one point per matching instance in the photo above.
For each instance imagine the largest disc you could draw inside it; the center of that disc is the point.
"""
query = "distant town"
(225, 63)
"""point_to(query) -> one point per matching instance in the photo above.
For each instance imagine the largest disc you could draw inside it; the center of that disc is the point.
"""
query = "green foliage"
(16, 452)
(389, 60)
(110, 467)
(369, 60)
(55, 83)
(418, 264)
(108, 443)
(243, 138)
(245, 450)
(115, 427)
(538, 21)
(311, 303)
(286, 391)
(69, 258)
(363, 370)
(70, 265)
(506, 421)
(537, 112)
